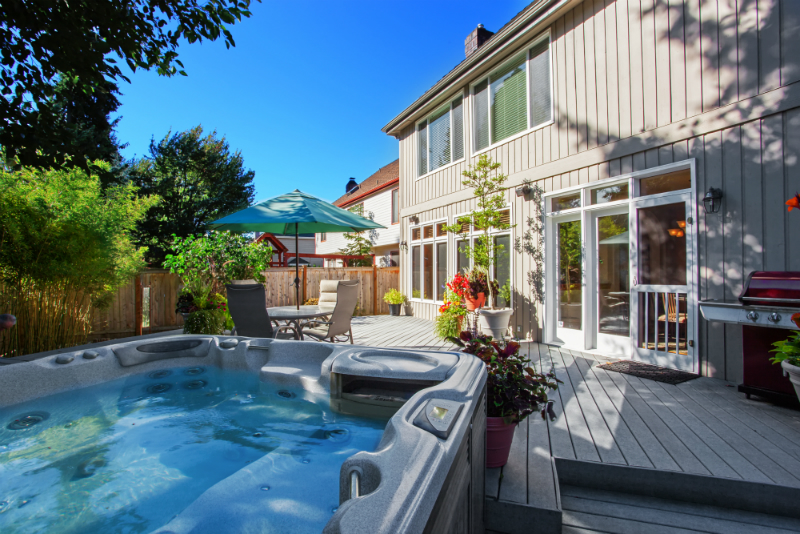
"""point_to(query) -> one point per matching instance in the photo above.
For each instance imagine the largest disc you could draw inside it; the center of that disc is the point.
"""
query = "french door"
(568, 282)
(662, 297)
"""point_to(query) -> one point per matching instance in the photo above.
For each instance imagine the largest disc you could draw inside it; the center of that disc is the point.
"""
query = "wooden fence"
(151, 298)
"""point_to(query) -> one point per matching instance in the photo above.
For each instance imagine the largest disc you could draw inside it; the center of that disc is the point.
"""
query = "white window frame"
(474, 151)
(420, 243)
(465, 125)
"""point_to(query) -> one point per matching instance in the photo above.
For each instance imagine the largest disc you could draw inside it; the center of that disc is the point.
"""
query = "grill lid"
(772, 288)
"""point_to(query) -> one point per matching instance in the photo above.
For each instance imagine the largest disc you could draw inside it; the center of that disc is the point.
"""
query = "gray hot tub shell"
(413, 482)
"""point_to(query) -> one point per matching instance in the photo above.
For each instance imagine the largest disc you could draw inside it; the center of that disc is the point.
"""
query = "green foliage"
(65, 245)
(488, 187)
(787, 350)
(447, 325)
(205, 264)
(40, 40)
(415, 293)
(394, 296)
(198, 178)
(209, 322)
(570, 252)
(357, 243)
(505, 292)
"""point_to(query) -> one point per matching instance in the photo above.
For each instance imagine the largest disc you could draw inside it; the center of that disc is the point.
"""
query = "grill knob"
(774, 317)
(752, 315)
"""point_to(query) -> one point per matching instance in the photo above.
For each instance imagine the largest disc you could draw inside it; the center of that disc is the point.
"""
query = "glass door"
(611, 281)
(569, 281)
(662, 296)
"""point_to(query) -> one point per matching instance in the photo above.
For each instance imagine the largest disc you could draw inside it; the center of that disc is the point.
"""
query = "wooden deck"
(401, 332)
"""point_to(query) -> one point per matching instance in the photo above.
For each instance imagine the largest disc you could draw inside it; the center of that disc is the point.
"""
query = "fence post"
(304, 283)
(374, 289)
(137, 308)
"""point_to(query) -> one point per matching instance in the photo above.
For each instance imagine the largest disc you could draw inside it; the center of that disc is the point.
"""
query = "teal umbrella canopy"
(292, 213)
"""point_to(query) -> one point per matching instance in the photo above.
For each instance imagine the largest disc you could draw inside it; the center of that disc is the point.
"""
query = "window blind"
(458, 129)
(481, 96)
(422, 137)
(439, 139)
(508, 95)
(540, 83)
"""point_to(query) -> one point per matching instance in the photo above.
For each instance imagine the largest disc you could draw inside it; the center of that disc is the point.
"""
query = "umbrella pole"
(296, 268)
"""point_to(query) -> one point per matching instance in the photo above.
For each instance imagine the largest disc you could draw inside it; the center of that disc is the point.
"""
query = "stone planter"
(473, 304)
(494, 322)
(794, 376)
(394, 309)
(499, 436)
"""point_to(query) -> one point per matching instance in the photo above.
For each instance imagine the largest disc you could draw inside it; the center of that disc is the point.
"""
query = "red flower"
(794, 202)
(796, 319)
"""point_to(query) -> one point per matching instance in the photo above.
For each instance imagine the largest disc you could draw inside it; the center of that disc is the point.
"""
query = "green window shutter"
(508, 101)
(422, 152)
(439, 139)
(458, 129)
(540, 83)
(481, 120)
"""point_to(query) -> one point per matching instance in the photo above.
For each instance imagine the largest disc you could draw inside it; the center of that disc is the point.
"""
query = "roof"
(386, 176)
(277, 246)
(531, 12)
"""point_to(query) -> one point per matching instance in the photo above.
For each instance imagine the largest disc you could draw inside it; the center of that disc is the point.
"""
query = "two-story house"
(377, 198)
(613, 120)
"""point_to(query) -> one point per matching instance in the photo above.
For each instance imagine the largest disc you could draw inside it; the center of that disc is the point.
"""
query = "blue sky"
(309, 86)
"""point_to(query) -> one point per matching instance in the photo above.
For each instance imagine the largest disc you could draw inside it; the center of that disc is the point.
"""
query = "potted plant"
(448, 324)
(514, 390)
(395, 299)
(484, 252)
(788, 355)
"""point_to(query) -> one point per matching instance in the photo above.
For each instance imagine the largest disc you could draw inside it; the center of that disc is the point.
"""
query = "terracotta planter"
(394, 309)
(499, 436)
(794, 376)
(473, 304)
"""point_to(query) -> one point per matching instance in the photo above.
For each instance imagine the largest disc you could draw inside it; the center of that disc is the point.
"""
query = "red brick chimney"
(476, 39)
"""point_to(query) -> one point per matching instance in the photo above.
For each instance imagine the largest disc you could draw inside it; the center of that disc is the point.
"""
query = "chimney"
(476, 39)
(352, 184)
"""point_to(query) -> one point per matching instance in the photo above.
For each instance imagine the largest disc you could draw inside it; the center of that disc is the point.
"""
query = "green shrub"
(447, 325)
(209, 322)
(394, 296)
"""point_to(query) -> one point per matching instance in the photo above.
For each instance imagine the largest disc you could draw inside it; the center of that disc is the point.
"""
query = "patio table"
(293, 315)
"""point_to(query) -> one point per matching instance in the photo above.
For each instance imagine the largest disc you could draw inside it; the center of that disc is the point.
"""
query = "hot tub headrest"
(399, 364)
(130, 354)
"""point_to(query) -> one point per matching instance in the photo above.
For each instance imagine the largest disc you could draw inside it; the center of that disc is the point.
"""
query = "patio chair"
(247, 304)
(338, 324)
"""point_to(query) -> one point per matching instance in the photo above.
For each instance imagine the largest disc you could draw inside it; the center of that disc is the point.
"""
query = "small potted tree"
(514, 390)
(395, 299)
(484, 253)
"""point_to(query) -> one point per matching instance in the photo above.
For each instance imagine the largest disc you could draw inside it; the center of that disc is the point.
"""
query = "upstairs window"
(441, 137)
(395, 206)
(513, 98)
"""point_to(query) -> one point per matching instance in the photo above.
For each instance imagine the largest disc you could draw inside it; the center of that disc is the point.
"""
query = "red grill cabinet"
(764, 310)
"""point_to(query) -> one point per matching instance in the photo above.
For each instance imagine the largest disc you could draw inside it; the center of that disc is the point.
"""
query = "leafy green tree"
(357, 243)
(198, 179)
(83, 40)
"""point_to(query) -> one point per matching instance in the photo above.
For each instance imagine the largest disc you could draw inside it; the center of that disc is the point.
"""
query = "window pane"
(508, 101)
(458, 129)
(570, 275)
(395, 205)
(441, 269)
(427, 232)
(613, 292)
(414, 234)
(440, 231)
(567, 202)
(481, 120)
(439, 140)
(462, 261)
(662, 245)
(612, 193)
(502, 264)
(540, 83)
(415, 269)
(422, 152)
(427, 268)
(674, 181)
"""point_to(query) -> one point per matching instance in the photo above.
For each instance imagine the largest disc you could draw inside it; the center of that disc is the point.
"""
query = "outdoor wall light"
(712, 202)
(523, 190)
(414, 219)
(404, 245)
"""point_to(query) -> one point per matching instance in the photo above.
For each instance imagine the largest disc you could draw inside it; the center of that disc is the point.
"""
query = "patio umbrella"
(294, 213)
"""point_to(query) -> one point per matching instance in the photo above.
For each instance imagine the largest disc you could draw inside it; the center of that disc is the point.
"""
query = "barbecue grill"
(764, 310)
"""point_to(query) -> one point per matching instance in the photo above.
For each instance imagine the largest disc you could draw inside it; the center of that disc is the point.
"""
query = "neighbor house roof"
(536, 10)
(277, 246)
(385, 177)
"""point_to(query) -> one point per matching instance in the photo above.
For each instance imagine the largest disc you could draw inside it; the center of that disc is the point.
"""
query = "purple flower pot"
(499, 436)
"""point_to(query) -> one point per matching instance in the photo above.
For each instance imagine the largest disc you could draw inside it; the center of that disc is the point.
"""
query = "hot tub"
(215, 434)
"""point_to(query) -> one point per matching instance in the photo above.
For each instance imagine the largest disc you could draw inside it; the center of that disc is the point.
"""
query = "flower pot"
(495, 322)
(394, 309)
(499, 436)
(409, 310)
(473, 304)
(794, 375)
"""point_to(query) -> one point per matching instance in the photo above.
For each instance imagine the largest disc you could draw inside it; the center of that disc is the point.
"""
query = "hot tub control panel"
(438, 417)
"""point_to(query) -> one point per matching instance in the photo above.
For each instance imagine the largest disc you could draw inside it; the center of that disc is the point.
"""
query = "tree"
(82, 39)
(198, 179)
(357, 244)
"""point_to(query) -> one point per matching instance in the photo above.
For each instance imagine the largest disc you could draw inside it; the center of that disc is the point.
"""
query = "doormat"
(650, 372)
